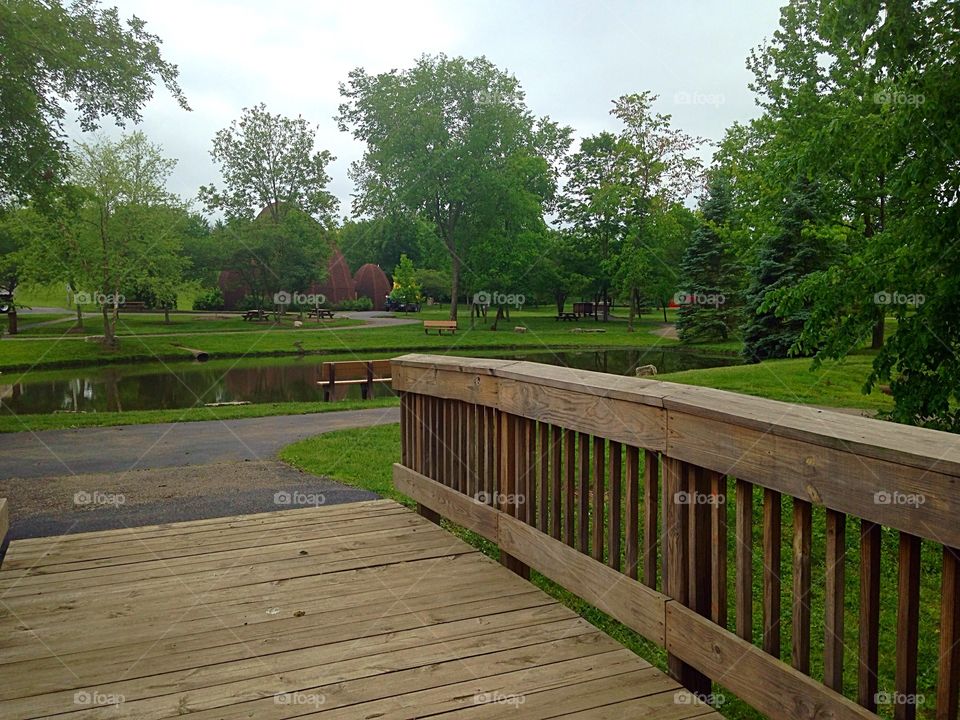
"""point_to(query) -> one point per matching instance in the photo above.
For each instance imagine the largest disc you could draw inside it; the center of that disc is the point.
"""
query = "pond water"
(181, 385)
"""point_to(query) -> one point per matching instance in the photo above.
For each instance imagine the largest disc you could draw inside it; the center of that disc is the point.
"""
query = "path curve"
(50, 453)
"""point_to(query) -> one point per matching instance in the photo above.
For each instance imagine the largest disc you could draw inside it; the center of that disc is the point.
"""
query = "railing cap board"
(912, 446)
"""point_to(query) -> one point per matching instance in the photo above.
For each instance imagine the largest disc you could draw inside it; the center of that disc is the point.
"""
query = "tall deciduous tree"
(269, 162)
(450, 139)
(52, 53)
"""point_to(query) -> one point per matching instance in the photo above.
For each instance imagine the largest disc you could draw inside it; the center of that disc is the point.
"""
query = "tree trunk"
(561, 299)
(166, 314)
(454, 284)
(663, 305)
(12, 321)
(109, 340)
(878, 331)
(633, 309)
(79, 316)
(496, 319)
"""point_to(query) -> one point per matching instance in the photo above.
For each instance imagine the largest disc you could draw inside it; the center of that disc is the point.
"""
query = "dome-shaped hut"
(372, 282)
(339, 285)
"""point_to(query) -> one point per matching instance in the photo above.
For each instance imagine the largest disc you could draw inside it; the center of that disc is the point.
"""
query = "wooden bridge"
(614, 488)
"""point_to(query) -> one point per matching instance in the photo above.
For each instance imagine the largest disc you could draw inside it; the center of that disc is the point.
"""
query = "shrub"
(211, 299)
(361, 303)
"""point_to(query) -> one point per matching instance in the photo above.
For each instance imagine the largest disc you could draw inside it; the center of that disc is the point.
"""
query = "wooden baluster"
(470, 436)
(544, 466)
(676, 560)
(718, 545)
(530, 488)
(480, 453)
(908, 628)
(556, 497)
(802, 532)
(459, 457)
(701, 576)
(744, 560)
(404, 429)
(833, 608)
(614, 524)
(570, 467)
(948, 677)
(651, 481)
(632, 539)
(771, 571)
(583, 496)
(867, 686)
(599, 493)
(422, 449)
(493, 443)
(446, 476)
(508, 434)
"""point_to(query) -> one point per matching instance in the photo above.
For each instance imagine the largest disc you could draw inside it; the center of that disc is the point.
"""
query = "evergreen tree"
(794, 250)
(710, 274)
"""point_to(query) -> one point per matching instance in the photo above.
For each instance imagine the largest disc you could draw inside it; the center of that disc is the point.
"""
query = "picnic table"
(572, 317)
(254, 315)
(321, 313)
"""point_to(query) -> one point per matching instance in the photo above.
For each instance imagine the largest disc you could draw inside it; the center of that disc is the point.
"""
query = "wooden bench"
(133, 306)
(440, 326)
(354, 372)
(567, 316)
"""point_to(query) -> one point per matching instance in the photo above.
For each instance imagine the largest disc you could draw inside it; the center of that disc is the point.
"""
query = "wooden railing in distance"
(616, 488)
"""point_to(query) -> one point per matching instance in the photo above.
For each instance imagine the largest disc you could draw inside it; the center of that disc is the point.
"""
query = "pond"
(157, 386)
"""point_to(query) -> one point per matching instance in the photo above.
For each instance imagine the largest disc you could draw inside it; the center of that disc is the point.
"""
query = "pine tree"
(710, 274)
(791, 253)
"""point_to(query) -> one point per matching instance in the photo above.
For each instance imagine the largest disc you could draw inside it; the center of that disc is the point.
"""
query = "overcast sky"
(572, 59)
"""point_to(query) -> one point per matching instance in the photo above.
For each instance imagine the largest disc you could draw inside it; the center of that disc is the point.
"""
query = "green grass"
(834, 384)
(131, 324)
(60, 421)
(543, 333)
(364, 457)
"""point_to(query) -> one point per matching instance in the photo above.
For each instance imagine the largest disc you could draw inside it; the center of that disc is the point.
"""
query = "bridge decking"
(351, 611)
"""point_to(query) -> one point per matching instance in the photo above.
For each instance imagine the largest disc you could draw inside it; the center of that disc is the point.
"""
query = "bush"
(361, 303)
(211, 299)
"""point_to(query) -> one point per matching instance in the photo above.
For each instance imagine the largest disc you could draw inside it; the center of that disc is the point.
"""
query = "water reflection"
(182, 385)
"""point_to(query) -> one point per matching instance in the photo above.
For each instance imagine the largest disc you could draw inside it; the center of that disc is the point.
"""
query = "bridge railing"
(663, 506)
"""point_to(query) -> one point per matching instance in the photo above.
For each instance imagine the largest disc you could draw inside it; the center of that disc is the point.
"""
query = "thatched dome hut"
(372, 282)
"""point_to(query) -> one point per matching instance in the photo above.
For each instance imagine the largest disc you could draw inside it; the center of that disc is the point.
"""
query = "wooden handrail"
(591, 479)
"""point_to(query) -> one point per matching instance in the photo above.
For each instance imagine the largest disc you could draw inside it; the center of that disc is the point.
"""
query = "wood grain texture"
(869, 621)
(772, 534)
(632, 532)
(744, 560)
(835, 557)
(908, 628)
(615, 522)
(718, 545)
(948, 675)
(802, 541)
(651, 499)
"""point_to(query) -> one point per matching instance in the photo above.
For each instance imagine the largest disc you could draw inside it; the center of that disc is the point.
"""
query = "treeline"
(828, 217)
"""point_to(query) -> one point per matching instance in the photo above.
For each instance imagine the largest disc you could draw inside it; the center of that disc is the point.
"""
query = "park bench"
(567, 316)
(321, 314)
(354, 372)
(440, 326)
(133, 306)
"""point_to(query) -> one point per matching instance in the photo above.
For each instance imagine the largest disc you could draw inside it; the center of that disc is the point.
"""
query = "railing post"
(506, 499)
(678, 556)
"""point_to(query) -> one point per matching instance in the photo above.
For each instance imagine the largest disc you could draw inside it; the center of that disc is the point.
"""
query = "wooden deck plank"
(369, 606)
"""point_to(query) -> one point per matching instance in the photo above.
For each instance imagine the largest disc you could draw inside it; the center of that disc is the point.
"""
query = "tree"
(449, 139)
(617, 182)
(563, 270)
(406, 287)
(116, 230)
(383, 240)
(54, 54)
(710, 275)
(268, 163)
(794, 251)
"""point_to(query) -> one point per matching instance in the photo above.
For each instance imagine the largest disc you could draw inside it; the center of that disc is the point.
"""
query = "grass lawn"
(834, 384)
(132, 324)
(543, 332)
(58, 421)
(363, 458)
